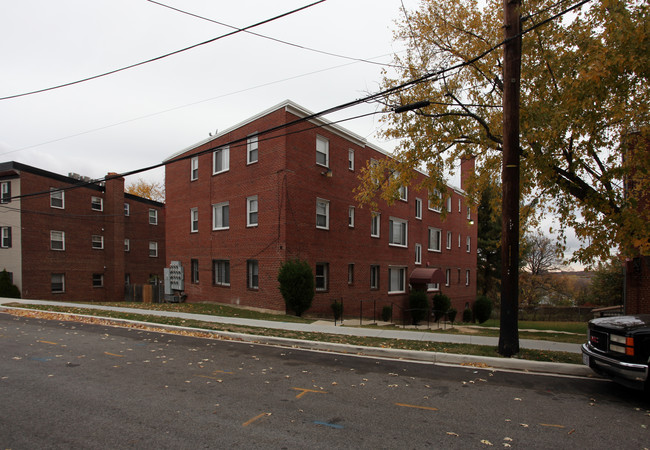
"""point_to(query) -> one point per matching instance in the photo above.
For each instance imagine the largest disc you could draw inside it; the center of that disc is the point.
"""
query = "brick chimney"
(114, 237)
(467, 166)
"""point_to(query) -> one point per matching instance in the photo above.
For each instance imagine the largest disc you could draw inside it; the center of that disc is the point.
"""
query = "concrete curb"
(483, 362)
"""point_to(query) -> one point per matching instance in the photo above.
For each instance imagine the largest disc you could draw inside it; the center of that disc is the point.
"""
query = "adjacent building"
(280, 185)
(64, 238)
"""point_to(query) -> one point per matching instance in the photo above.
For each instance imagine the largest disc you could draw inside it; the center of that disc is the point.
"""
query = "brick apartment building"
(241, 203)
(66, 239)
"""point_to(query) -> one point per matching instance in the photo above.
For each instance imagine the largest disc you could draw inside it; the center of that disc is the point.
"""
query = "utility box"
(174, 282)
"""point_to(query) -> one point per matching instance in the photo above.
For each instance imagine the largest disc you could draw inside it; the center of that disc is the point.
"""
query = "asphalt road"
(74, 385)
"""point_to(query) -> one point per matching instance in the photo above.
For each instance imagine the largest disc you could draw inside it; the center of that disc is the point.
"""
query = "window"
(351, 216)
(251, 150)
(220, 160)
(322, 276)
(469, 214)
(5, 192)
(194, 168)
(194, 220)
(98, 280)
(447, 277)
(57, 198)
(434, 200)
(351, 159)
(251, 211)
(127, 245)
(469, 244)
(350, 274)
(467, 277)
(98, 242)
(127, 279)
(252, 274)
(194, 268)
(449, 204)
(153, 249)
(418, 208)
(153, 217)
(460, 209)
(401, 190)
(5, 237)
(58, 283)
(418, 253)
(374, 277)
(96, 203)
(322, 151)
(434, 239)
(459, 239)
(397, 232)
(220, 216)
(448, 240)
(127, 209)
(221, 269)
(322, 214)
(433, 287)
(374, 225)
(396, 280)
(57, 240)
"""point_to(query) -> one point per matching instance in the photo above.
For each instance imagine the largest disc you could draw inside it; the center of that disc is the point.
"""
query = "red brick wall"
(288, 181)
(637, 285)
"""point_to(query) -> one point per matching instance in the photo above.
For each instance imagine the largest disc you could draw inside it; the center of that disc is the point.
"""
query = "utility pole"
(509, 328)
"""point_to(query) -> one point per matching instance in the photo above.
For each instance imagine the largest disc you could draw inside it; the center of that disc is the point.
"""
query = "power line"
(157, 58)
(272, 38)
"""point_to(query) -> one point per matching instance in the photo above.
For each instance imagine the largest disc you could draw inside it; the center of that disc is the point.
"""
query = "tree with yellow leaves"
(153, 190)
(583, 122)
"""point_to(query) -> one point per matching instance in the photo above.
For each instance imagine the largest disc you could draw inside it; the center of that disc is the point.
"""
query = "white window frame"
(432, 287)
(460, 205)
(320, 203)
(467, 277)
(351, 216)
(97, 242)
(449, 239)
(403, 232)
(194, 220)
(153, 249)
(194, 168)
(127, 245)
(430, 205)
(375, 270)
(469, 244)
(127, 210)
(323, 277)
(375, 225)
(351, 159)
(447, 277)
(62, 282)
(449, 207)
(469, 213)
(5, 237)
(418, 254)
(221, 272)
(222, 153)
(252, 149)
(400, 279)
(53, 234)
(438, 232)
(253, 274)
(100, 278)
(153, 216)
(418, 208)
(220, 226)
(252, 211)
(459, 240)
(322, 148)
(55, 195)
(96, 203)
(194, 271)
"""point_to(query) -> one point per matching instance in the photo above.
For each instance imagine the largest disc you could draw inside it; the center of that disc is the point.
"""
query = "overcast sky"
(138, 117)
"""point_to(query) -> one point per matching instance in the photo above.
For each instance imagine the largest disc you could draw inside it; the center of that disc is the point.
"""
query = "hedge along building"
(241, 203)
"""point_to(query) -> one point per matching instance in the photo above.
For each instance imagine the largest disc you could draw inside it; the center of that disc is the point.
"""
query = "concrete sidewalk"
(328, 327)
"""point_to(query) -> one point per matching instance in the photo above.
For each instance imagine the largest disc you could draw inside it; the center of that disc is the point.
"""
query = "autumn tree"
(540, 254)
(488, 252)
(153, 190)
(584, 94)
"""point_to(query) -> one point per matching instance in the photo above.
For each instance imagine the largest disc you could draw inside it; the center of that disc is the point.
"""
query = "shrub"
(451, 315)
(441, 304)
(337, 309)
(419, 306)
(387, 313)
(467, 315)
(7, 288)
(482, 309)
(296, 285)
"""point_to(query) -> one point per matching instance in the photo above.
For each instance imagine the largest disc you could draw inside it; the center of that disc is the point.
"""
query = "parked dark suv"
(619, 348)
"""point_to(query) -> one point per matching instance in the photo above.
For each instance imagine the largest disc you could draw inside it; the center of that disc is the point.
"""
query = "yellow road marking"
(304, 391)
(551, 425)
(429, 408)
(247, 423)
(113, 354)
(48, 342)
